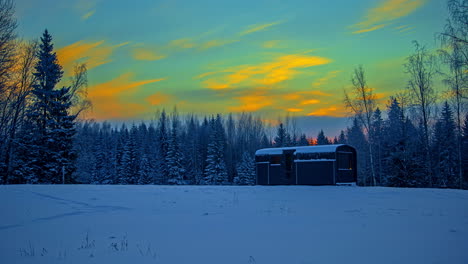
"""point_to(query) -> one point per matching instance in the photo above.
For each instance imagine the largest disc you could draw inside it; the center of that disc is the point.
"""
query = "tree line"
(417, 141)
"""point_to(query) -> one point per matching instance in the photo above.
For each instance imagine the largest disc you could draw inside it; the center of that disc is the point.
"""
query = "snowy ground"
(223, 225)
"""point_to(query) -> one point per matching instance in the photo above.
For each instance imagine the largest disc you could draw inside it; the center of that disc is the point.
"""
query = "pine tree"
(357, 139)
(401, 149)
(52, 127)
(377, 123)
(465, 152)
(246, 174)
(144, 171)
(303, 140)
(163, 148)
(266, 143)
(192, 154)
(445, 149)
(215, 171)
(342, 138)
(335, 140)
(174, 162)
(281, 137)
(321, 139)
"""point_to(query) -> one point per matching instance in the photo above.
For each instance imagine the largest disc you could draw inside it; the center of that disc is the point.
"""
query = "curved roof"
(304, 149)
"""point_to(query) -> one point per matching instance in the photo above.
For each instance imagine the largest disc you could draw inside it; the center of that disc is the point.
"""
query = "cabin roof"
(304, 149)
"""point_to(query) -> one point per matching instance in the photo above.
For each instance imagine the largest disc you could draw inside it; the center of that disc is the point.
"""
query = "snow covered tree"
(421, 68)
(246, 174)
(51, 125)
(377, 123)
(357, 139)
(445, 150)
(174, 162)
(215, 171)
(163, 148)
(465, 152)
(128, 164)
(144, 171)
(192, 154)
(362, 103)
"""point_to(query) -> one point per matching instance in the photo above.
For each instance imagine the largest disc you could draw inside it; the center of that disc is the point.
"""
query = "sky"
(270, 57)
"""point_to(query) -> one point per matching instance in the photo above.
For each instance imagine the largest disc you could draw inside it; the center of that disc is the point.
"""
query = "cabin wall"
(307, 168)
(315, 172)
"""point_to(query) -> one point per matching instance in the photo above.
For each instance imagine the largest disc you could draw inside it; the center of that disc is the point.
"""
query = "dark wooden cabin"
(309, 165)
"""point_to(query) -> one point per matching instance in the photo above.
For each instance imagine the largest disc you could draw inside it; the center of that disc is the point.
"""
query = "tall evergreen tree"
(162, 132)
(52, 127)
(174, 162)
(246, 174)
(322, 139)
(357, 139)
(377, 126)
(215, 171)
(445, 150)
(281, 137)
(303, 140)
(465, 153)
(342, 138)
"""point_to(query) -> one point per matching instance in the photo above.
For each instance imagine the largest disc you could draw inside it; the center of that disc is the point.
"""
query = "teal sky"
(268, 57)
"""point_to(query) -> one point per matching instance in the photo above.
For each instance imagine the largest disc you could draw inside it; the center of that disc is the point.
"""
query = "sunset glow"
(219, 57)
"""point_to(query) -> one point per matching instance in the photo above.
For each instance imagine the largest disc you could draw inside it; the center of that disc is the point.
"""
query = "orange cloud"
(185, 43)
(92, 53)
(111, 99)
(309, 102)
(269, 73)
(215, 43)
(88, 15)
(329, 111)
(326, 78)
(387, 11)
(369, 29)
(271, 44)
(146, 54)
(258, 27)
(158, 98)
(294, 110)
(254, 101)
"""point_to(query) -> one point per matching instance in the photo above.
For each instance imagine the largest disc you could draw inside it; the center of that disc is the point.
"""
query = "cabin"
(308, 165)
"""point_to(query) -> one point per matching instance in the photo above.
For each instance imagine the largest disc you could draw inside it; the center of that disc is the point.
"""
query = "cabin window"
(275, 160)
(345, 161)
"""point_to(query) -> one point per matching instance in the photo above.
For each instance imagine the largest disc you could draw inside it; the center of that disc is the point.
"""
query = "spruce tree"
(215, 171)
(50, 124)
(281, 137)
(357, 139)
(303, 140)
(174, 161)
(445, 150)
(321, 139)
(246, 174)
(163, 148)
(342, 138)
(144, 171)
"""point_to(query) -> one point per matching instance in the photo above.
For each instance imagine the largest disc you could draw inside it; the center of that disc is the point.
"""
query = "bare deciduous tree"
(7, 36)
(79, 89)
(20, 86)
(421, 68)
(362, 103)
(454, 53)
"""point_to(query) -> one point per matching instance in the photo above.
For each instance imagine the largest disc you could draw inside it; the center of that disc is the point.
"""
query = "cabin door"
(288, 166)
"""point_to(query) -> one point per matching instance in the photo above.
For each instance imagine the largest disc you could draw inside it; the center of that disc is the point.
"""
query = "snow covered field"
(214, 224)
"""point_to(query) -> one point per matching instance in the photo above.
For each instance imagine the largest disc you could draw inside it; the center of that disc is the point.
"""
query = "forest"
(419, 138)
